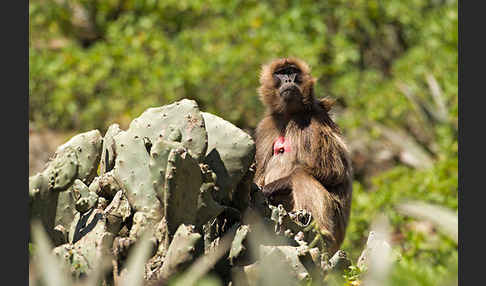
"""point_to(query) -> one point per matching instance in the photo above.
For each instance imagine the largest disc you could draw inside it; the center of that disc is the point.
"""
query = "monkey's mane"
(326, 103)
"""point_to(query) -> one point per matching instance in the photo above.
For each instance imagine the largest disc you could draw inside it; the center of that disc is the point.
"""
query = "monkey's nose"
(288, 89)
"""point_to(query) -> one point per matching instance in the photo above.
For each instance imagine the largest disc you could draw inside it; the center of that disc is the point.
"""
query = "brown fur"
(316, 174)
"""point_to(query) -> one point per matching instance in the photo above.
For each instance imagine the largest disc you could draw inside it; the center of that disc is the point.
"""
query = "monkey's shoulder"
(267, 127)
(325, 103)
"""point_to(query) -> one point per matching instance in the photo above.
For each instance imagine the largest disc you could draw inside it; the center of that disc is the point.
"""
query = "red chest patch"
(281, 146)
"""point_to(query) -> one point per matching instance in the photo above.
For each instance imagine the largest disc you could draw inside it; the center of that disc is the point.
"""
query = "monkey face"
(286, 85)
(287, 80)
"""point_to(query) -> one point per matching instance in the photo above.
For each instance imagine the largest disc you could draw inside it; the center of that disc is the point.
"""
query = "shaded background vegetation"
(391, 65)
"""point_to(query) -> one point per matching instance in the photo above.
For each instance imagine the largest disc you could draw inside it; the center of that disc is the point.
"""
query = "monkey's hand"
(277, 189)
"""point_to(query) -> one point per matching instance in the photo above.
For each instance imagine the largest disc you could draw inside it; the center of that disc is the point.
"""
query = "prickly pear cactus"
(108, 151)
(92, 242)
(181, 175)
(50, 192)
(237, 246)
(132, 172)
(88, 150)
(159, 158)
(230, 153)
(84, 198)
(180, 121)
(183, 181)
(207, 207)
(181, 251)
(142, 158)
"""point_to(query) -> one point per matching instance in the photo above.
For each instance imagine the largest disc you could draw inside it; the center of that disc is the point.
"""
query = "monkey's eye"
(288, 70)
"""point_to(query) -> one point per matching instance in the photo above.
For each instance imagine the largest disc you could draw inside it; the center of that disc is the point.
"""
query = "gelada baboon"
(302, 161)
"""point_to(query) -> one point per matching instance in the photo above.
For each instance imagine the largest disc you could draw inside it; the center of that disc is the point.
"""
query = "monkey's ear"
(327, 103)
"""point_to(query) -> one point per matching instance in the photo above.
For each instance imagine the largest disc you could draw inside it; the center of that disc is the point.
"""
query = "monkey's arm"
(321, 150)
(301, 190)
(280, 192)
(280, 187)
(265, 134)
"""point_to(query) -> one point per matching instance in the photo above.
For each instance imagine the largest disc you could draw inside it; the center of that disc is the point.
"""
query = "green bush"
(128, 55)
(425, 257)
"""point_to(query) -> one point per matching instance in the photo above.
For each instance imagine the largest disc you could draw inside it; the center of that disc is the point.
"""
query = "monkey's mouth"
(290, 93)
